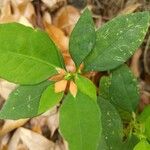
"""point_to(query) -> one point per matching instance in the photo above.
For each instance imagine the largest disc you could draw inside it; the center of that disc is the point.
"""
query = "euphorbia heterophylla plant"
(89, 120)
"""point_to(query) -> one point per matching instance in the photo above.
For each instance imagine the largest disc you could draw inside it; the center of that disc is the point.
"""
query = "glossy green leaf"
(49, 99)
(80, 122)
(27, 56)
(112, 127)
(123, 89)
(86, 86)
(82, 38)
(28, 101)
(142, 145)
(117, 40)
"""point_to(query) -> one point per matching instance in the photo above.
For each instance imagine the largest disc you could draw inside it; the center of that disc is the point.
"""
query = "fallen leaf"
(53, 122)
(6, 88)
(10, 125)
(130, 9)
(135, 63)
(66, 18)
(32, 140)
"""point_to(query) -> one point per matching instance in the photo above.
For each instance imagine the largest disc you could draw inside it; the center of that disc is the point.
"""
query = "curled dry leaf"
(4, 141)
(24, 21)
(62, 42)
(58, 37)
(130, 9)
(145, 100)
(135, 63)
(6, 88)
(73, 88)
(60, 86)
(53, 4)
(32, 140)
(15, 10)
(6, 12)
(29, 12)
(66, 18)
(53, 122)
(61, 145)
(47, 17)
(10, 125)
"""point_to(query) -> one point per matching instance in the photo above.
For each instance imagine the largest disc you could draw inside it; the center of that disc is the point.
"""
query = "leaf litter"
(58, 18)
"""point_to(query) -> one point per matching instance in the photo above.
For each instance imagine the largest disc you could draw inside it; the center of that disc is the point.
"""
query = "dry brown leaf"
(66, 18)
(32, 140)
(53, 4)
(73, 88)
(61, 145)
(4, 141)
(24, 21)
(29, 12)
(6, 88)
(135, 63)
(58, 37)
(11, 125)
(53, 122)
(62, 43)
(130, 9)
(6, 12)
(47, 17)
(60, 86)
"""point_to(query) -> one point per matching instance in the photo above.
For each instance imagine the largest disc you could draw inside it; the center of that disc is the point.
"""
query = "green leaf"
(112, 128)
(28, 56)
(80, 122)
(116, 41)
(82, 38)
(147, 128)
(104, 86)
(130, 143)
(28, 101)
(123, 89)
(144, 119)
(86, 86)
(142, 145)
(145, 114)
(49, 99)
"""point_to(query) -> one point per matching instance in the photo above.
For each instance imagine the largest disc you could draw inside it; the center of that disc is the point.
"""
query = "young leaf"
(116, 41)
(86, 86)
(82, 38)
(142, 145)
(112, 128)
(28, 101)
(49, 99)
(80, 122)
(123, 89)
(28, 56)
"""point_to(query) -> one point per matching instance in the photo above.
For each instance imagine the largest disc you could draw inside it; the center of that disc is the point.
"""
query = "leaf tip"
(73, 89)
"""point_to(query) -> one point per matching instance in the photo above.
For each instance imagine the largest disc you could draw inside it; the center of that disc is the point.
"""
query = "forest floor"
(57, 18)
